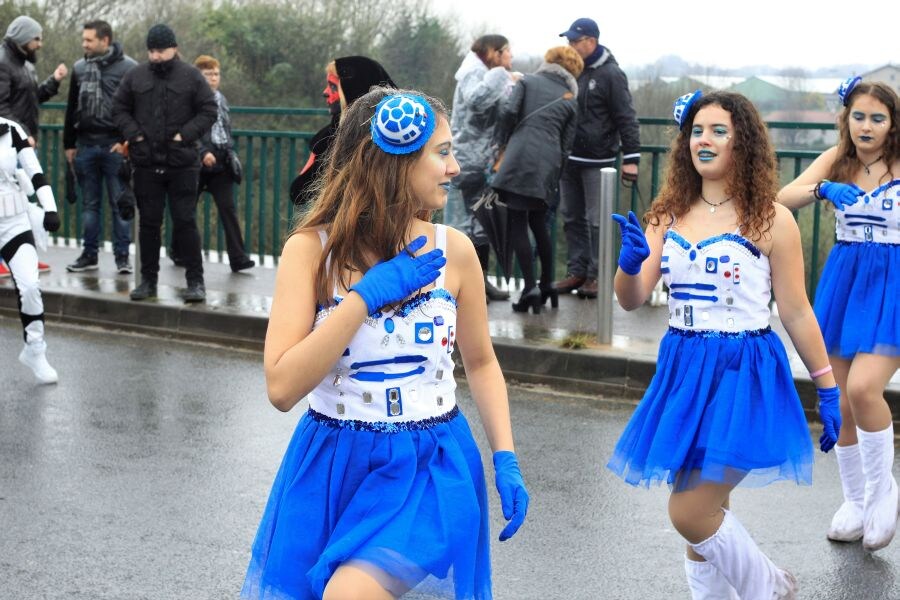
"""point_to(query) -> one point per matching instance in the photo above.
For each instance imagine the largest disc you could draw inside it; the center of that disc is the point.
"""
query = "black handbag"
(235, 168)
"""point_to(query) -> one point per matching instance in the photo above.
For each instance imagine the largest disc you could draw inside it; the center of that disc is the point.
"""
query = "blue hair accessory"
(682, 106)
(847, 88)
(402, 123)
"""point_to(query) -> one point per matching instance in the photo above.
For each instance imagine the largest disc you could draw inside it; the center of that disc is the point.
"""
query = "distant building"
(889, 74)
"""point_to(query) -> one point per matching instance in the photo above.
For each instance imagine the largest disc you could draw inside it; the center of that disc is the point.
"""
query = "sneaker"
(145, 291)
(4, 271)
(123, 266)
(195, 292)
(82, 263)
(43, 267)
(493, 292)
(242, 264)
(588, 289)
(34, 356)
(569, 284)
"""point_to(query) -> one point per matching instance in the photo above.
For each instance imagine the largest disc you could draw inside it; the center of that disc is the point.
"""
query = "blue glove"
(635, 249)
(513, 495)
(395, 279)
(841, 195)
(830, 414)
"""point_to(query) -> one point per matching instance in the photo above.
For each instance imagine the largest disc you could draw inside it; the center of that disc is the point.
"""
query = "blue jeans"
(93, 165)
(579, 206)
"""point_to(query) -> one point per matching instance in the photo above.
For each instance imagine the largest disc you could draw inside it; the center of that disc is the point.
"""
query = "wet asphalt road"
(144, 472)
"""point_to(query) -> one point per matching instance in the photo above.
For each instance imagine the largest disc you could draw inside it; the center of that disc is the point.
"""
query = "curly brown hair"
(362, 198)
(752, 180)
(847, 164)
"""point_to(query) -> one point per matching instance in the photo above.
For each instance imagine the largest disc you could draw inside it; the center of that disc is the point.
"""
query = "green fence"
(271, 159)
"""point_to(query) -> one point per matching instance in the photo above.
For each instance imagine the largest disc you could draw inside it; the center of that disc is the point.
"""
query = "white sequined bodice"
(874, 218)
(399, 365)
(722, 283)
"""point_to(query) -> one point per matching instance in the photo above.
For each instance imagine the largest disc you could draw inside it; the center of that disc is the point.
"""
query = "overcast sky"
(780, 33)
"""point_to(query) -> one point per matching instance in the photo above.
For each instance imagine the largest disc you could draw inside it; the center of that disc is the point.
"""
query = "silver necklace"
(866, 166)
(714, 205)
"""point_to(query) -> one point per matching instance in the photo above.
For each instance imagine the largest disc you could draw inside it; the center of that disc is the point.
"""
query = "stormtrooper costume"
(18, 218)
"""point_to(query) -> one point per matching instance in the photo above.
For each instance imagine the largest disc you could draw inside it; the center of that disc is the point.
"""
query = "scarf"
(219, 132)
(90, 95)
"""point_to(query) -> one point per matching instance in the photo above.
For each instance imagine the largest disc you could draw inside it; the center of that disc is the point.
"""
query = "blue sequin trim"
(884, 187)
(872, 244)
(730, 237)
(711, 333)
(383, 426)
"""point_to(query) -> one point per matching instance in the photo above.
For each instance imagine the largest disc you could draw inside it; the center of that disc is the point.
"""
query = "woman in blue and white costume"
(857, 300)
(18, 217)
(722, 409)
(382, 488)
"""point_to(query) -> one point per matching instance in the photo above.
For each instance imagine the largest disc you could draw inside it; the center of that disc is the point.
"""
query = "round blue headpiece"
(402, 123)
(848, 86)
(682, 106)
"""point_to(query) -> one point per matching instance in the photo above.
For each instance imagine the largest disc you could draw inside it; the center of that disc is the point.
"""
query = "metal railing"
(271, 159)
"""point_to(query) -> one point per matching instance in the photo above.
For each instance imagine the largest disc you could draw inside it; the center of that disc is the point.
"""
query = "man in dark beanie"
(20, 93)
(162, 109)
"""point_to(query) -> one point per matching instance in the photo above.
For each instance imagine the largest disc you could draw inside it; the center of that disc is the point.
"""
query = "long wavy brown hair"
(752, 181)
(847, 164)
(362, 199)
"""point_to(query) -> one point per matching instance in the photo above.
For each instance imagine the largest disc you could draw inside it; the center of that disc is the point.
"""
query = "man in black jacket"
(605, 117)
(93, 143)
(20, 93)
(162, 109)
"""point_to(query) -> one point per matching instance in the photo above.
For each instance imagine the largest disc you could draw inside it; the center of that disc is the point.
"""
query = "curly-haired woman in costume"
(857, 300)
(722, 409)
(382, 489)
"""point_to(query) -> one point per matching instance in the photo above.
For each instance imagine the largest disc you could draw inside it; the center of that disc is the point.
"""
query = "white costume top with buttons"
(874, 218)
(398, 367)
(722, 283)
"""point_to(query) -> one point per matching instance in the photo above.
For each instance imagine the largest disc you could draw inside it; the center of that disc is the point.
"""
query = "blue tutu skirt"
(857, 299)
(721, 408)
(408, 506)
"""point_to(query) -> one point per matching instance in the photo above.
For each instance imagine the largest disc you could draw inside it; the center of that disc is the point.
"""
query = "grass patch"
(578, 341)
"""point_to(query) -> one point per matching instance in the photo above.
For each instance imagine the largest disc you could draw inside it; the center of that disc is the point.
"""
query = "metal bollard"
(606, 269)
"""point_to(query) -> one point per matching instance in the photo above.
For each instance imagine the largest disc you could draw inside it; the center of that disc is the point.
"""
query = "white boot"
(706, 582)
(733, 553)
(847, 523)
(34, 357)
(881, 501)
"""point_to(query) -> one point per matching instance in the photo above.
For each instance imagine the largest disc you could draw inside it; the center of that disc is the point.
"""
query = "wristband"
(817, 191)
(820, 372)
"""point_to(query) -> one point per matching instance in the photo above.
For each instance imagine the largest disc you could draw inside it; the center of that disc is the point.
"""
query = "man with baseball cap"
(607, 124)
(162, 108)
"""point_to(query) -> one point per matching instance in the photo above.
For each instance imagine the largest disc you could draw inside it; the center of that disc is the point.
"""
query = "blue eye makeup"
(879, 118)
(720, 131)
(696, 131)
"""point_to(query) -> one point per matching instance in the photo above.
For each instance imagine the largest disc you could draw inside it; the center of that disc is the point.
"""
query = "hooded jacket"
(95, 129)
(357, 75)
(20, 93)
(537, 126)
(157, 104)
(476, 102)
(605, 116)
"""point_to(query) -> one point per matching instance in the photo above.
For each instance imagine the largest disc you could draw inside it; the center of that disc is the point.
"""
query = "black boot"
(145, 291)
(492, 291)
(529, 299)
(195, 292)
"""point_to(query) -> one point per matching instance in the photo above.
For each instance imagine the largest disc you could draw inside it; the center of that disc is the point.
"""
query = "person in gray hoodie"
(483, 83)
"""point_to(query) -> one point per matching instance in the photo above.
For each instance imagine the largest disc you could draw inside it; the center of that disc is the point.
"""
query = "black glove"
(71, 183)
(51, 221)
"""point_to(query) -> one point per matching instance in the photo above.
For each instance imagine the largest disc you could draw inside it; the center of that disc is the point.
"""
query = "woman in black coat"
(537, 127)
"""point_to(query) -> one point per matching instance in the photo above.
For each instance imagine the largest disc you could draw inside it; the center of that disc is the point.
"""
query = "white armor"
(874, 218)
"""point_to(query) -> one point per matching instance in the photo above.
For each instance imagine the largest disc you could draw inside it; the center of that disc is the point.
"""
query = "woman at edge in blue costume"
(722, 409)
(382, 487)
(857, 300)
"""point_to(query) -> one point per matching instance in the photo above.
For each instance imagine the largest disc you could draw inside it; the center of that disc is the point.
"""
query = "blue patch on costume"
(394, 402)
(424, 333)
(688, 315)
(712, 264)
(724, 259)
